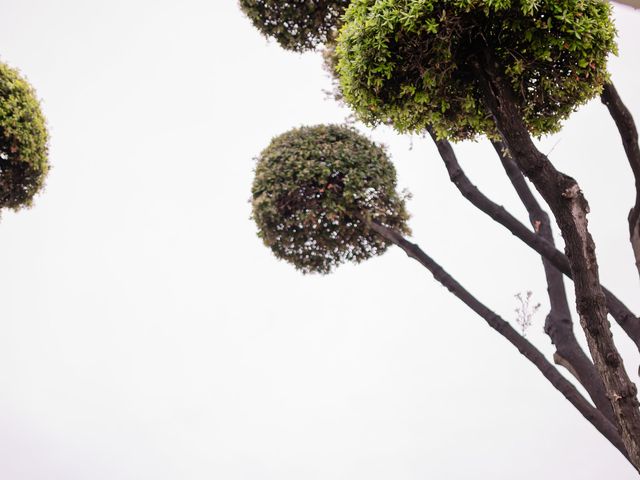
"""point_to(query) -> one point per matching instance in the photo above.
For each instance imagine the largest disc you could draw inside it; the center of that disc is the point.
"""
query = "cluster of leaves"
(315, 191)
(296, 24)
(410, 61)
(23, 141)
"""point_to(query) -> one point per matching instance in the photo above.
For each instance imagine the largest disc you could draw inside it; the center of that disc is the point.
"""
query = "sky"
(146, 333)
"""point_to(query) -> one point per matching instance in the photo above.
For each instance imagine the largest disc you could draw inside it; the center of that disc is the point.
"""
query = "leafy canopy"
(314, 192)
(296, 24)
(23, 141)
(408, 62)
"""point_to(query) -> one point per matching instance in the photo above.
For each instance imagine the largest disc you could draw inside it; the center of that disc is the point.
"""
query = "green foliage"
(23, 141)
(408, 62)
(330, 65)
(314, 192)
(296, 24)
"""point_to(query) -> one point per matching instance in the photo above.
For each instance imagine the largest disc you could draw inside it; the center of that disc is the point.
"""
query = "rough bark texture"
(629, 322)
(566, 388)
(569, 207)
(629, 136)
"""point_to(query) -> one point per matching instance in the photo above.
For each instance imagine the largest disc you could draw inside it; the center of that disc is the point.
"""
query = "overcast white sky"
(146, 333)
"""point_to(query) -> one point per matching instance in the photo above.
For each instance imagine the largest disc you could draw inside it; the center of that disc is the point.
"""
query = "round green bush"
(296, 24)
(23, 141)
(314, 192)
(410, 61)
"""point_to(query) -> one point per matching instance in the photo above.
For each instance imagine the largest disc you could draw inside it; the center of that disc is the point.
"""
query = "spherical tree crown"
(23, 141)
(315, 191)
(410, 61)
(296, 24)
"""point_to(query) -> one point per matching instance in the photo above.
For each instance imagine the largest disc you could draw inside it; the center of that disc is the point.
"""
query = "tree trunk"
(563, 195)
(629, 136)
(526, 348)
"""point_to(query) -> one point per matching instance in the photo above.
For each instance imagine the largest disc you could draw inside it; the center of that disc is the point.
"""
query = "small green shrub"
(23, 141)
(314, 192)
(295, 24)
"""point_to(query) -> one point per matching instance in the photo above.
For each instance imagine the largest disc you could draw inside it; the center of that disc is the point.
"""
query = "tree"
(507, 70)
(23, 141)
(315, 192)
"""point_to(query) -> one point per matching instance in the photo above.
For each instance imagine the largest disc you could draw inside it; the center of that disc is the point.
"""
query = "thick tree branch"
(629, 322)
(558, 324)
(569, 206)
(566, 388)
(629, 136)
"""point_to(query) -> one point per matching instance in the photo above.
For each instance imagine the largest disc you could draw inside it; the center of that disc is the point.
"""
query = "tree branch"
(629, 136)
(569, 206)
(526, 348)
(627, 320)
(558, 324)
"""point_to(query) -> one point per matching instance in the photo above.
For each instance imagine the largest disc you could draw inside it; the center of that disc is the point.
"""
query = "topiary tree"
(324, 195)
(315, 192)
(413, 61)
(506, 69)
(296, 24)
(23, 141)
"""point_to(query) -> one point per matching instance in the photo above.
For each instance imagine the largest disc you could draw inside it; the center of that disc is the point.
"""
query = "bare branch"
(629, 322)
(558, 324)
(526, 348)
(629, 136)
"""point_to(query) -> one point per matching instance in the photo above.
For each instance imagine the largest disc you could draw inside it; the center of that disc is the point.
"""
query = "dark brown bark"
(569, 207)
(629, 136)
(526, 348)
(629, 322)
(558, 324)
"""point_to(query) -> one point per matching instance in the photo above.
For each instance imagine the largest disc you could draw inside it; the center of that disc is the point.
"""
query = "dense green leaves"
(314, 192)
(23, 141)
(296, 24)
(409, 61)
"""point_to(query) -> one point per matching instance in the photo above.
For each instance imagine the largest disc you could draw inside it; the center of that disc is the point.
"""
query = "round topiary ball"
(315, 191)
(410, 61)
(23, 141)
(296, 24)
